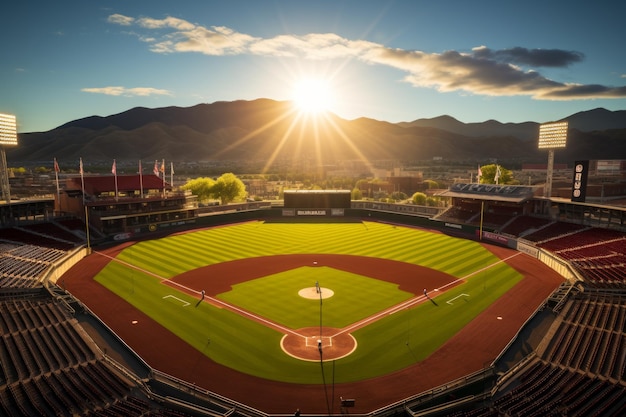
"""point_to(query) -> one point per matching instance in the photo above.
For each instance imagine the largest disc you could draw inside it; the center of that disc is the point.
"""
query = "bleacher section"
(598, 254)
(49, 368)
(578, 369)
(23, 266)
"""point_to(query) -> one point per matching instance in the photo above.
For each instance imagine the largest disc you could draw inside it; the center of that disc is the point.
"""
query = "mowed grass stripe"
(250, 347)
(175, 255)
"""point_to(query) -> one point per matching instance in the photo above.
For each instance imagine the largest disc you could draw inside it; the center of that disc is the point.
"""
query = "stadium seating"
(48, 367)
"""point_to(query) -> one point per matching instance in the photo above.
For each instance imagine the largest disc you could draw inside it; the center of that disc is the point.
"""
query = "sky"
(395, 61)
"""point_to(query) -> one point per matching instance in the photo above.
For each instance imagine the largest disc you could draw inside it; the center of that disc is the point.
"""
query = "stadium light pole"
(551, 136)
(8, 137)
(321, 349)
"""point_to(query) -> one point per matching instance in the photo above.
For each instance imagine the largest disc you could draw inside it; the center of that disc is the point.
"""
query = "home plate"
(134, 322)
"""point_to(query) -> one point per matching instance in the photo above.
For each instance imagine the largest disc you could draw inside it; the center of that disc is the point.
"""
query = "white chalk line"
(361, 323)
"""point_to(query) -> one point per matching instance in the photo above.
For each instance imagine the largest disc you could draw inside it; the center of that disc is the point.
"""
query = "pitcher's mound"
(305, 345)
(312, 293)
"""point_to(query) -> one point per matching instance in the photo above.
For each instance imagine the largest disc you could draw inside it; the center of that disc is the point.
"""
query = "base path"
(475, 346)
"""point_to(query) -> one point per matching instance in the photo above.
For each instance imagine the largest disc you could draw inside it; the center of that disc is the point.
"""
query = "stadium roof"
(507, 193)
(103, 184)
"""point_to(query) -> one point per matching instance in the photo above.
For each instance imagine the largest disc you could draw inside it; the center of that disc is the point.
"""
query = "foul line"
(214, 300)
(361, 323)
(416, 300)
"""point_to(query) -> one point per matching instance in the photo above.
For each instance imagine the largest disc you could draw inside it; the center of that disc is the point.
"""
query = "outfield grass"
(387, 345)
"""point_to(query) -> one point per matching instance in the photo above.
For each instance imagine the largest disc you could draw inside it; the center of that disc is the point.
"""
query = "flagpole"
(172, 174)
(140, 178)
(114, 171)
(82, 178)
(163, 171)
(482, 211)
(87, 230)
(56, 176)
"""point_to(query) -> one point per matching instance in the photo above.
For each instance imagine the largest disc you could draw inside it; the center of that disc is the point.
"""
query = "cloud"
(127, 92)
(483, 71)
(531, 57)
(119, 19)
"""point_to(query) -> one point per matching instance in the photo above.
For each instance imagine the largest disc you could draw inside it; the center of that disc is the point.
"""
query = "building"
(126, 204)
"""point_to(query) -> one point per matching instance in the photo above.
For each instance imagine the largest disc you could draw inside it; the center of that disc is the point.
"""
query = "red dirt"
(475, 346)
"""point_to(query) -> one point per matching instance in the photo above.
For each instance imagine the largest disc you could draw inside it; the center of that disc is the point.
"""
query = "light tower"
(551, 136)
(8, 137)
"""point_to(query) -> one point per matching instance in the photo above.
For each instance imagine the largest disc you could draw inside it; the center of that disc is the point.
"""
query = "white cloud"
(507, 72)
(119, 19)
(127, 92)
(168, 22)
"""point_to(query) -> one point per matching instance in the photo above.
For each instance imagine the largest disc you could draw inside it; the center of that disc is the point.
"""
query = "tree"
(357, 194)
(398, 196)
(489, 174)
(419, 199)
(201, 187)
(228, 188)
(431, 184)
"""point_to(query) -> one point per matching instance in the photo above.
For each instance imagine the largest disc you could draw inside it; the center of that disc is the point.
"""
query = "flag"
(171, 168)
(80, 167)
(163, 166)
(56, 166)
(480, 172)
(114, 168)
(156, 168)
(498, 173)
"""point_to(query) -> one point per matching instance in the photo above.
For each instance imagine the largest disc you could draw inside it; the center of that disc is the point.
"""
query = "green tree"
(201, 187)
(431, 184)
(228, 188)
(398, 196)
(357, 194)
(489, 174)
(419, 199)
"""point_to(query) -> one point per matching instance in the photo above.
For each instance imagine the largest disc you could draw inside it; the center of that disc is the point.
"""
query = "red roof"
(102, 184)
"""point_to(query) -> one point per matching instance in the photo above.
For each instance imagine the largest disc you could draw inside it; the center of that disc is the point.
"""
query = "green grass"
(276, 297)
(387, 345)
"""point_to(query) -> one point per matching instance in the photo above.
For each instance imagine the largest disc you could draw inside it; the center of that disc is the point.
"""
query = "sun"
(312, 95)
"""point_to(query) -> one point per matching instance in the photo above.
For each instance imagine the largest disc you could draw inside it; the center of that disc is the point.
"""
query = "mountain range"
(271, 132)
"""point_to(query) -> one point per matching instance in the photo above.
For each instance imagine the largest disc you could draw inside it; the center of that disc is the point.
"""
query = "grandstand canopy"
(102, 184)
(493, 192)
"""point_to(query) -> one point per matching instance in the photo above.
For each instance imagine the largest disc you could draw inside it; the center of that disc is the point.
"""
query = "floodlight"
(8, 130)
(552, 135)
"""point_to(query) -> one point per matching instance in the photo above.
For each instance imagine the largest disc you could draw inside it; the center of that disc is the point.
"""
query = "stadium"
(332, 308)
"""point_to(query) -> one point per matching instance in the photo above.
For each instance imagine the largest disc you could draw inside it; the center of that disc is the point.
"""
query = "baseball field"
(313, 304)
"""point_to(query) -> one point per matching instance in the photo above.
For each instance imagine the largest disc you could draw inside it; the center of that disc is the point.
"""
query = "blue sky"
(387, 60)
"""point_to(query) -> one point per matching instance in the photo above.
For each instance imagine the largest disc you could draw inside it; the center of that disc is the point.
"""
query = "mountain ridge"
(271, 131)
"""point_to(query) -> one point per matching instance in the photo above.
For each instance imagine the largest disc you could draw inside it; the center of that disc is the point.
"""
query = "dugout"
(317, 199)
